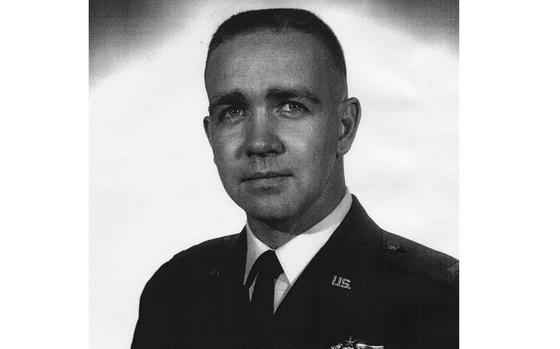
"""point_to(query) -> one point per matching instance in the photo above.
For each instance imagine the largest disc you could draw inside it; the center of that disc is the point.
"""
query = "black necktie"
(266, 269)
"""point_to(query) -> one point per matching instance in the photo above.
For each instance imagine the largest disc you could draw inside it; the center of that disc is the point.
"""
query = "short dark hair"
(280, 19)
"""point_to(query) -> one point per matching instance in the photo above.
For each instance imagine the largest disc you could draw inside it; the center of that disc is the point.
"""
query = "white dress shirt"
(295, 255)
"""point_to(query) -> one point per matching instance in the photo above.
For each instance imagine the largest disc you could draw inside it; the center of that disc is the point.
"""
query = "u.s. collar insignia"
(341, 282)
(354, 344)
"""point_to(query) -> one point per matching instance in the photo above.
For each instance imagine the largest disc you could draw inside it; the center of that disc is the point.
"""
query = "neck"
(276, 234)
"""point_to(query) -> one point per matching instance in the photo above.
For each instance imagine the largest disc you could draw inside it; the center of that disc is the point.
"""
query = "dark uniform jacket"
(364, 283)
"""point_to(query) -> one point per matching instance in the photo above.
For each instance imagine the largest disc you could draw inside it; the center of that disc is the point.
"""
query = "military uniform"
(364, 283)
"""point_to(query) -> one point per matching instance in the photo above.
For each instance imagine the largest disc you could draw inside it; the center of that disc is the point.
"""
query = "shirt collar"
(296, 254)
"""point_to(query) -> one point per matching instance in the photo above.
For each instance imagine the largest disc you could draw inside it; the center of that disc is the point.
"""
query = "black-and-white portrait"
(314, 143)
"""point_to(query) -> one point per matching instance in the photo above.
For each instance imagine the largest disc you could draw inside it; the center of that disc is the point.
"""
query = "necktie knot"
(266, 266)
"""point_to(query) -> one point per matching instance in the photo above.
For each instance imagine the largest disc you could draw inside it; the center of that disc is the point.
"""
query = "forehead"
(254, 62)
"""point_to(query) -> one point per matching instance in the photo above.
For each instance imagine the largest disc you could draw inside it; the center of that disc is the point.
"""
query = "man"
(310, 269)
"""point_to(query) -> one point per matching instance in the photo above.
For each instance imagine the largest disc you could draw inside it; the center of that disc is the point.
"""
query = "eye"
(293, 108)
(232, 113)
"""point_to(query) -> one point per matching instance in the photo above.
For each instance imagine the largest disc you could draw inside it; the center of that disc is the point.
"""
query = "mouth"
(266, 176)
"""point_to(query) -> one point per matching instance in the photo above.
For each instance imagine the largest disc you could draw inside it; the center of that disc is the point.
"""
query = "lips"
(268, 175)
(266, 182)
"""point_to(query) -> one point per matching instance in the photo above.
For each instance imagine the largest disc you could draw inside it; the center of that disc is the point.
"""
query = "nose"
(262, 136)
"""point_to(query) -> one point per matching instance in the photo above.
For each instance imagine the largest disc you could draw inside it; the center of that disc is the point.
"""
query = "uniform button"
(393, 245)
(454, 269)
(214, 272)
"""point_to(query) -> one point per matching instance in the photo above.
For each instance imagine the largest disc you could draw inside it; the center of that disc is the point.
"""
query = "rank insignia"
(354, 344)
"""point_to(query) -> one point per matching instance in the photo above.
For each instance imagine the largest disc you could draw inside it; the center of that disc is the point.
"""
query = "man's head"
(280, 119)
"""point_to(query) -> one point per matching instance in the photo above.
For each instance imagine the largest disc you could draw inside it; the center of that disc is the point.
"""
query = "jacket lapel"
(322, 304)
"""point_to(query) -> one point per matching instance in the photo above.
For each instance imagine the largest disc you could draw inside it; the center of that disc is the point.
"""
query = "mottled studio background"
(154, 188)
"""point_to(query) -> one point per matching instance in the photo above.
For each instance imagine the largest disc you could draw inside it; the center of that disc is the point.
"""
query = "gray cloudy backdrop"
(154, 188)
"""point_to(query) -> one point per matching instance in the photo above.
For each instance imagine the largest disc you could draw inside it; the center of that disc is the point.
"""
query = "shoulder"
(208, 249)
(417, 258)
(191, 262)
(402, 254)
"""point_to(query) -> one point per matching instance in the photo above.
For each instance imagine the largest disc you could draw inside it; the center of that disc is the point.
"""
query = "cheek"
(225, 167)
(225, 148)
(322, 136)
(316, 145)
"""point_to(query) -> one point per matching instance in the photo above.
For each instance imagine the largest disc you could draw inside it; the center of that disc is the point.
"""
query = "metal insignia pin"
(341, 282)
(354, 344)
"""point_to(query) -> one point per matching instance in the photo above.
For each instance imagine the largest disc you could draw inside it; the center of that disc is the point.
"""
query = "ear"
(206, 123)
(350, 114)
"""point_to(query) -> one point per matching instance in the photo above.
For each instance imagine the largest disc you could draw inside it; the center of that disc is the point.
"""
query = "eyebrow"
(234, 97)
(287, 93)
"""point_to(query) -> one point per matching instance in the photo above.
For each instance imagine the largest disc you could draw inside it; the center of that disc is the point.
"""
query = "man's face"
(274, 123)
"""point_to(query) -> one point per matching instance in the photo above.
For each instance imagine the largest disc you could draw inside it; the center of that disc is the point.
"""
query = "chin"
(269, 208)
